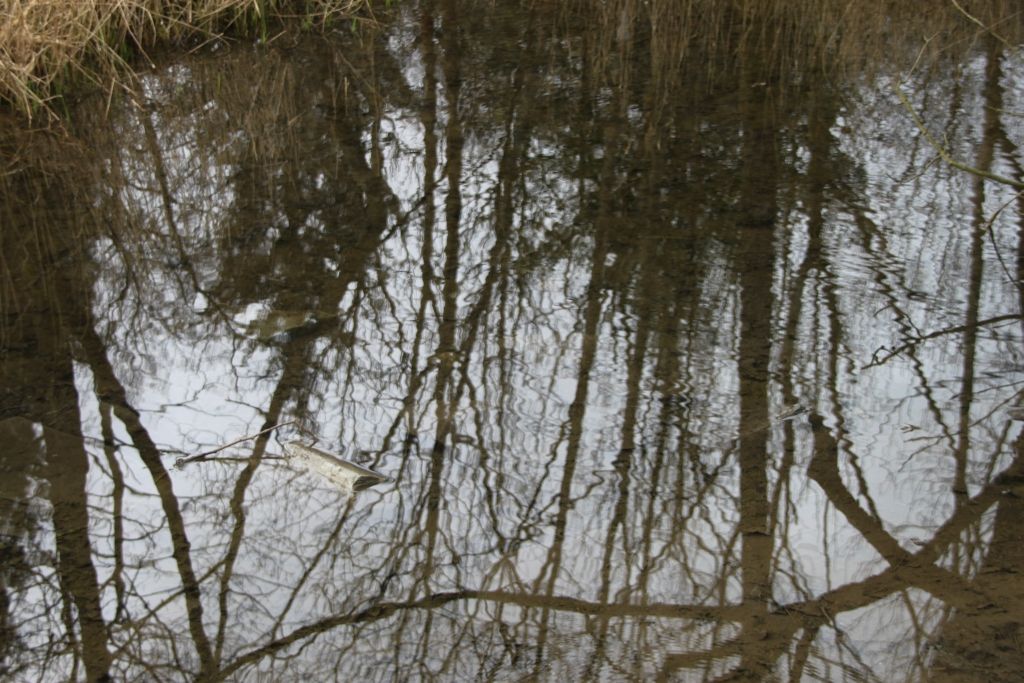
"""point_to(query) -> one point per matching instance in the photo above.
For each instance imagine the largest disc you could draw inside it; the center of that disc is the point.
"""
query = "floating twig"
(180, 462)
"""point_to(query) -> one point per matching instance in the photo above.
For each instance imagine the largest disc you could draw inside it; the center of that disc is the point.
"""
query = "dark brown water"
(692, 377)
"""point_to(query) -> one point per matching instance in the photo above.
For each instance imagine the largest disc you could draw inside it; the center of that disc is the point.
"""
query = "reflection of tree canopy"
(564, 286)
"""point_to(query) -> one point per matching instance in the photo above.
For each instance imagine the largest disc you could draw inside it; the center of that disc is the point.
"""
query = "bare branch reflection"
(682, 360)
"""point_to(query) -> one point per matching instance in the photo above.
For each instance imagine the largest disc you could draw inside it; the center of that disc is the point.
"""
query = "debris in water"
(343, 473)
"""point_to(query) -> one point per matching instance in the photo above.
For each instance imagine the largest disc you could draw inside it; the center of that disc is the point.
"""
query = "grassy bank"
(47, 44)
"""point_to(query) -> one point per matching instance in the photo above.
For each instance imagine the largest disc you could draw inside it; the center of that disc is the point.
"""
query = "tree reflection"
(660, 360)
(43, 422)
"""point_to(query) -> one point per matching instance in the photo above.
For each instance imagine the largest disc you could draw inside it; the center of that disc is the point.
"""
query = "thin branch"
(944, 153)
(986, 29)
(180, 462)
(992, 237)
(911, 343)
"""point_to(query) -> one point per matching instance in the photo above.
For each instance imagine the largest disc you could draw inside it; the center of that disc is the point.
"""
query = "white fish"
(343, 473)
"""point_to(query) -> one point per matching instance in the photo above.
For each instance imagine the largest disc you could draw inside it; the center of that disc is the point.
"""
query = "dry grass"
(46, 43)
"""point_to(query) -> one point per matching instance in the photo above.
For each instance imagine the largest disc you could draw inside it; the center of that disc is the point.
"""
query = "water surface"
(703, 378)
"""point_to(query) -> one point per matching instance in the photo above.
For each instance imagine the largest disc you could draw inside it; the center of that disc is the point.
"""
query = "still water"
(688, 374)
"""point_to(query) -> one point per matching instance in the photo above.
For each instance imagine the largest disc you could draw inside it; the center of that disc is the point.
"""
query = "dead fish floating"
(340, 472)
